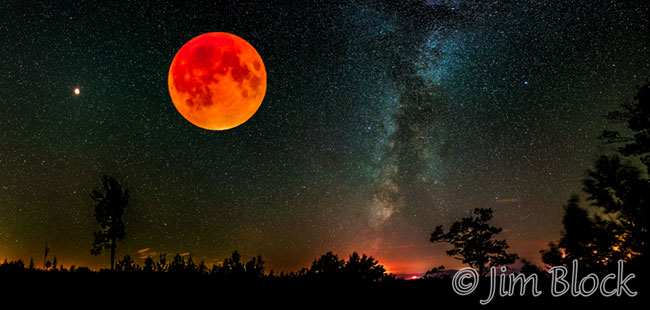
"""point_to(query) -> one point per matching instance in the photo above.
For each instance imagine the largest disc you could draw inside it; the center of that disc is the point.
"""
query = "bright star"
(77, 91)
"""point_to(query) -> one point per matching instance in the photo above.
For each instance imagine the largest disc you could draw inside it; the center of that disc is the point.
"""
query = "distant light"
(413, 278)
(525, 82)
(77, 91)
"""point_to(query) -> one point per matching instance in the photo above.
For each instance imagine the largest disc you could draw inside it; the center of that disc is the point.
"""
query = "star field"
(381, 120)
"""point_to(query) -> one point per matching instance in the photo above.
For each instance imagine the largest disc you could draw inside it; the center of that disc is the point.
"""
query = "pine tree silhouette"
(109, 209)
(472, 239)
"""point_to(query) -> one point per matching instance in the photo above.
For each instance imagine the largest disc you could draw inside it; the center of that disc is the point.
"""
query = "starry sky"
(381, 120)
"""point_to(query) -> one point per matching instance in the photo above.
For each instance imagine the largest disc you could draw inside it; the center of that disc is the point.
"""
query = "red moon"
(217, 81)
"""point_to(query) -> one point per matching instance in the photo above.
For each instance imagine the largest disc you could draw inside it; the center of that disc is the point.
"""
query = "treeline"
(328, 267)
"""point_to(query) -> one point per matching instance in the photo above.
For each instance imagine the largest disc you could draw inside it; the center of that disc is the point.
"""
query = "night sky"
(380, 121)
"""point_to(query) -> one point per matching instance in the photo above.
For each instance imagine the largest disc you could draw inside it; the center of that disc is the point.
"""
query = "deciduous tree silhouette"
(435, 271)
(327, 266)
(472, 239)
(363, 268)
(109, 209)
(359, 268)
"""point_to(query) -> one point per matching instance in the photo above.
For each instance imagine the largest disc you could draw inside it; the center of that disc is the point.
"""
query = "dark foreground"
(100, 288)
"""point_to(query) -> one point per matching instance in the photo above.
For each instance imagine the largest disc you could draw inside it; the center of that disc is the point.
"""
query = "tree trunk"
(113, 254)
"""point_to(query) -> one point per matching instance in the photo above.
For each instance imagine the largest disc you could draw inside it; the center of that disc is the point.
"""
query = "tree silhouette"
(178, 264)
(621, 189)
(255, 267)
(635, 116)
(126, 265)
(202, 268)
(528, 267)
(434, 271)
(148, 264)
(232, 266)
(161, 265)
(363, 268)
(472, 239)
(589, 239)
(618, 194)
(109, 209)
(12, 267)
(326, 266)
(190, 266)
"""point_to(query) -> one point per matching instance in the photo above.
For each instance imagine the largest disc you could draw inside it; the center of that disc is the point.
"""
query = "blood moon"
(217, 81)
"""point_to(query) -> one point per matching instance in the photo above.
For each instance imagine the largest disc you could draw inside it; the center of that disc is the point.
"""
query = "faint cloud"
(147, 252)
(508, 200)
(404, 246)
